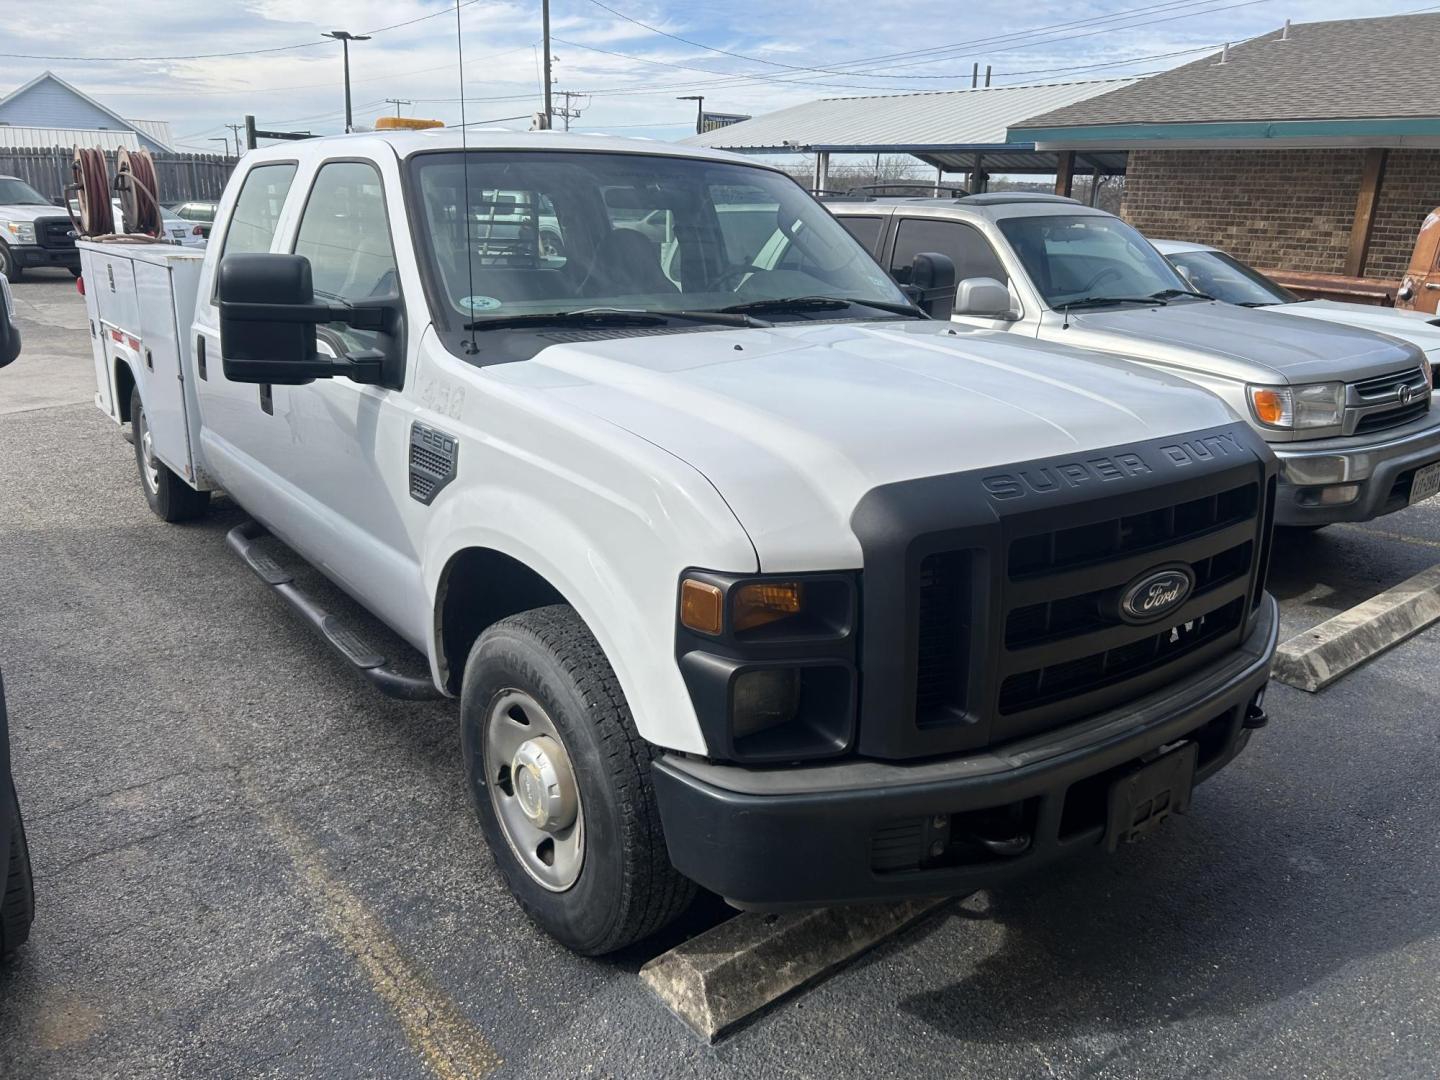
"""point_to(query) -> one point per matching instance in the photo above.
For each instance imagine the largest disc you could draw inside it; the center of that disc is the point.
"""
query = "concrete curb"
(718, 978)
(1313, 660)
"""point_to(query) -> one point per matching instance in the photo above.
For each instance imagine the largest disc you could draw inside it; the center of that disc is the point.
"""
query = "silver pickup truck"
(1346, 410)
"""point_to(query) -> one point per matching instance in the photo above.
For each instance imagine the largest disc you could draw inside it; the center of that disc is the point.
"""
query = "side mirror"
(983, 298)
(9, 332)
(268, 315)
(933, 275)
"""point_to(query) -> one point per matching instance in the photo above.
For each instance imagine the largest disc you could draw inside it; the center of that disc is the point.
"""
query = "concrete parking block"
(1313, 660)
(728, 973)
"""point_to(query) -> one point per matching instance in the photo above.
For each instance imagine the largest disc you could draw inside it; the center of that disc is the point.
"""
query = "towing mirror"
(932, 276)
(268, 315)
(983, 298)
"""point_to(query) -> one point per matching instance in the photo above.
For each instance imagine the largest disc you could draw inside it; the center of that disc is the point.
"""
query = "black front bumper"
(27, 256)
(827, 834)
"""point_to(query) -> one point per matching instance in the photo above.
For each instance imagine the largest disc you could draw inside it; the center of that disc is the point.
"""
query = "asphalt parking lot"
(249, 864)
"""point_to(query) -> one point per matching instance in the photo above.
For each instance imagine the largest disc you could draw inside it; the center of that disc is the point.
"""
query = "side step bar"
(350, 645)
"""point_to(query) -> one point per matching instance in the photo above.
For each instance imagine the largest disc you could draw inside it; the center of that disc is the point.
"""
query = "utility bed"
(141, 302)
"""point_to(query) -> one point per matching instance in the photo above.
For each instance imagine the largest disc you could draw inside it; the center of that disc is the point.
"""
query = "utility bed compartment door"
(159, 373)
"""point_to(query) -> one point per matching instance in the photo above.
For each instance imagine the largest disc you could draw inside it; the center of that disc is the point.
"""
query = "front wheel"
(8, 266)
(170, 497)
(560, 781)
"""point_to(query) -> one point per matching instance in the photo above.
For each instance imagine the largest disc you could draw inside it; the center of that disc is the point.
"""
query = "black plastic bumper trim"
(802, 837)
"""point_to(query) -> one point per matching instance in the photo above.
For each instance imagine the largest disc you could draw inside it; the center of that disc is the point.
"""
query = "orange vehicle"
(1420, 289)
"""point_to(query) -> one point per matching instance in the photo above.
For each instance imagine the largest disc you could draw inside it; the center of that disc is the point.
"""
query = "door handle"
(1432, 285)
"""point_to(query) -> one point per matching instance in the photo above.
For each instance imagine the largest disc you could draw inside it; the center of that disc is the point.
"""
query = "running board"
(242, 540)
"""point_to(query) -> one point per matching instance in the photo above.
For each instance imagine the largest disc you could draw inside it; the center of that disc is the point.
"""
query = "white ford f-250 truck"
(745, 572)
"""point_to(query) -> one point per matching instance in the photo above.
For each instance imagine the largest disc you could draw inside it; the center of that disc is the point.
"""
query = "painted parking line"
(449, 1045)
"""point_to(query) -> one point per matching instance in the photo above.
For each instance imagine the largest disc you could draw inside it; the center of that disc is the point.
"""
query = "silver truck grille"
(1386, 401)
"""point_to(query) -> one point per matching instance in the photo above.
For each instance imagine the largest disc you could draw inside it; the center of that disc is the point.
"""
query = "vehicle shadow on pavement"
(1263, 891)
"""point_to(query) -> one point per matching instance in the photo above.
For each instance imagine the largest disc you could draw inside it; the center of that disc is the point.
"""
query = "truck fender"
(634, 626)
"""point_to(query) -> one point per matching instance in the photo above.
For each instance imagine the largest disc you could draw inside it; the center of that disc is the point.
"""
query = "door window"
(257, 210)
(345, 233)
(972, 253)
(864, 229)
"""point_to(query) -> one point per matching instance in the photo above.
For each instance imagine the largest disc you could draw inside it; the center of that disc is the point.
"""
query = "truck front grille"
(1063, 650)
(54, 232)
(1386, 401)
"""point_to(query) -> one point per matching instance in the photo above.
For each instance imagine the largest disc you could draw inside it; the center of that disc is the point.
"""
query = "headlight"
(21, 232)
(1298, 408)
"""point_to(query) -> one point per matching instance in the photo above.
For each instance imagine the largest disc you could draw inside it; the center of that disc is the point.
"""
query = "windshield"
(18, 193)
(557, 232)
(1082, 257)
(1227, 278)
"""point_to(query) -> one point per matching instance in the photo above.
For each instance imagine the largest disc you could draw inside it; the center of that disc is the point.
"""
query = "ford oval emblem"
(1156, 593)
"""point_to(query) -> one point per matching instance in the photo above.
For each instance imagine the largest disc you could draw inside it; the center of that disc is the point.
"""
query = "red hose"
(91, 188)
(139, 192)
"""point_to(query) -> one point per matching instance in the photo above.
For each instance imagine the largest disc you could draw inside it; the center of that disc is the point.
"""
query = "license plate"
(1426, 483)
(1141, 800)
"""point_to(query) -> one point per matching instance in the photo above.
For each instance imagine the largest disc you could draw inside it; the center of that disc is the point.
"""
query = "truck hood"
(26, 212)
(1417, 327)
(793, 425)
(1246, 344)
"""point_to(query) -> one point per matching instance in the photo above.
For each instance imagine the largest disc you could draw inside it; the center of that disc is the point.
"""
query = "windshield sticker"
(480, 303)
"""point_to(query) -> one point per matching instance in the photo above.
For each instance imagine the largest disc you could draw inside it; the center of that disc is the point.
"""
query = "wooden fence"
(182, 176)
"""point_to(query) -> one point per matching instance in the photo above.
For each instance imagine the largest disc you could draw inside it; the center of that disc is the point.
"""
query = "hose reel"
(136, 186)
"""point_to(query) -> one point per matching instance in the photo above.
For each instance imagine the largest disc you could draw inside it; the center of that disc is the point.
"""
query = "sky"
(629, 60)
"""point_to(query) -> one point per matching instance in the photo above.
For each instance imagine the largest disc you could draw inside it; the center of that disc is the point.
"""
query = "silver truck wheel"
(169, 496)
(533, 790)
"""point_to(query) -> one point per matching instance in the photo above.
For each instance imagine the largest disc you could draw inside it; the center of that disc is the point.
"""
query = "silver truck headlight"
(19, 232)
(1298, 408)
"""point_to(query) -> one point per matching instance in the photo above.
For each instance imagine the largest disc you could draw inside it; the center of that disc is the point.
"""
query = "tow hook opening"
(1255, 715)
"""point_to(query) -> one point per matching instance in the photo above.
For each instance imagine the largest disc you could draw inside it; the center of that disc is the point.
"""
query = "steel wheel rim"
(148, 467)
(522, 745)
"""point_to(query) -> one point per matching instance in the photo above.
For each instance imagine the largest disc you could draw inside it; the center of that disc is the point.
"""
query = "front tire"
(170, 497)
(17, 902)
(8, 266)
(582, 850)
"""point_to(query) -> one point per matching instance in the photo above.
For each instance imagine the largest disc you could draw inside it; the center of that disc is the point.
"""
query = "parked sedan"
(1225, 277)
(201, 213)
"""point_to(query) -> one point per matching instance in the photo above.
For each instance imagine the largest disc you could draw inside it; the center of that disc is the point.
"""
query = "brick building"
(1314, 149)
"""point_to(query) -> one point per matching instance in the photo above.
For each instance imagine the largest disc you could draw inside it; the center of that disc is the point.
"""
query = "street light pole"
(345, 37)
(226, 140)
(699, 100)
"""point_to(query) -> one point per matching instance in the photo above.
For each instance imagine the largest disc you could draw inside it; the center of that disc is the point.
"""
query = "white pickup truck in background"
(746, 573)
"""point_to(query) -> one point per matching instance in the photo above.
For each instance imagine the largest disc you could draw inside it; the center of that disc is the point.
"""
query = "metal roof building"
(954, 130)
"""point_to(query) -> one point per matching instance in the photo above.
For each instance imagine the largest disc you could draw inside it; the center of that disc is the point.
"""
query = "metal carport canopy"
(946, 129)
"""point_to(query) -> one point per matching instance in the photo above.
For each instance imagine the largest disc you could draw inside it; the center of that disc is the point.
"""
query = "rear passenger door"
(868, 229)
(974, 256)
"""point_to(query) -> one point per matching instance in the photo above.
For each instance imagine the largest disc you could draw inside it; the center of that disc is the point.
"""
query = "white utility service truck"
(745, 572)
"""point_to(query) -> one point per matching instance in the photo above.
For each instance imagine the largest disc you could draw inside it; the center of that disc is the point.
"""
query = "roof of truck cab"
(404, 144)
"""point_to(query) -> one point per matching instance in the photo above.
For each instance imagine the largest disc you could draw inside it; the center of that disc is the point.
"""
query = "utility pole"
(345, 37)
(397, 102)
(545, 32)
(235, 130)
(699, 100)
(566, 112)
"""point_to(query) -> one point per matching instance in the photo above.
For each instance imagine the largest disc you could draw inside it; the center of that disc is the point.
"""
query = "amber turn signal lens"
(1269, 406)
(702, 606)
(760, 604)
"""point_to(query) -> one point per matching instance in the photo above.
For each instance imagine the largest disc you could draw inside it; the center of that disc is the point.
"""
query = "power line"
(242, 52)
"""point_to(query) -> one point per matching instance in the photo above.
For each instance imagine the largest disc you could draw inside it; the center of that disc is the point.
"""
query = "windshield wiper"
(1258, 303)
(1102, 301)
(821, 303)
(1168, 294)
(606, 317)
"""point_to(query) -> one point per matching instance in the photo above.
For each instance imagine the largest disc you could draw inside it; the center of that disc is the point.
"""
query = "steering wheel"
(720, 283)
(1105, 274)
